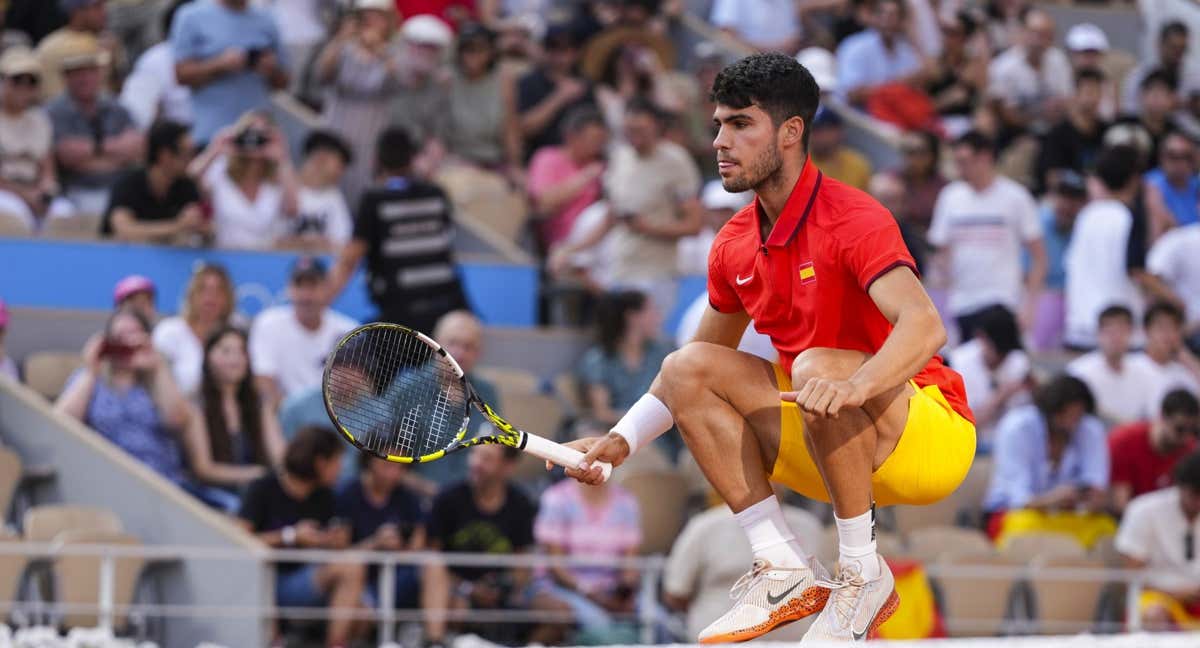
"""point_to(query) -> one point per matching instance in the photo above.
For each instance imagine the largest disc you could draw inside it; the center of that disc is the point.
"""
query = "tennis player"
(859, 410)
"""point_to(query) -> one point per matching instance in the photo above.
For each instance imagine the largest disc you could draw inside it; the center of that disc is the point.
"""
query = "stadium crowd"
(1050, 195)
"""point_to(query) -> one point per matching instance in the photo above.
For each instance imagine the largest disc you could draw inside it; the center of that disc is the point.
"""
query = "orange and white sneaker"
(856, 607)
(767, 597)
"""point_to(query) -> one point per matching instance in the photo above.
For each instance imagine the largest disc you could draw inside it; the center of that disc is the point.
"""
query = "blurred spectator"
(360, 73)
(136, 293)
(710, 555)
(1073, 143)
(151, 91)
(483, 128)
(384, 515)
(633, 67)
(461, 334)
(891, 191)
(35, 18)
(652, 186)
(1049, 456)
(288, 344)
(762, 25)
(422, 106)
(323, 223)
(410, 270)
(1004, 22)
(85, 29)
(1158, 534)
(1031, 79)
(1144, 453)
(851, 18)
(1172, 59)
(452, 12)
(1117, 378)
(95, 139)
(231, 56)
(601, 521)
(485, 513)
(922, 179)
(959, 74)
(547, 93)
(231, 438)
(28, 178)
(159, 203)
(878, 55)
(995, 368)
(980, 224)
(126, 393)
(1175, 260)
(1106, 260)
(829, 152)
(564, 180)
(718, 207)
(1087, 48)
(302, 30)
(294, 509)
(247, 175)
(1173, 188)
(7, 366)
(1174, 366)
(619, 368)
(1057, 213)
(208, 303)
(1155, 116)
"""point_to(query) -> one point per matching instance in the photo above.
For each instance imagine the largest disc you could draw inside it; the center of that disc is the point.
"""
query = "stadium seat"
(486, 198)
(13, 225)
(662, 498)
(508, 380)
(46, 372)
(1065, 605)
(1105, 551)
(77, 578)
(12, 566)
(44, 523)
(79, 226)
(1027, 547)
(930, 543)
(10, 477)
(567, 388)
(972, 606)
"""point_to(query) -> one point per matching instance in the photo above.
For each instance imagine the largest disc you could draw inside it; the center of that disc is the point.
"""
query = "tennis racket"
(397, 394)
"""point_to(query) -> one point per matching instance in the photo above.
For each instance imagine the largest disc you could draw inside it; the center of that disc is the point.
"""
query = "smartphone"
(115, 348)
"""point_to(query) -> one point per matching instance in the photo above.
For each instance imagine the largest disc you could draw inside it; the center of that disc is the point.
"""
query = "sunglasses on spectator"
(29, 80)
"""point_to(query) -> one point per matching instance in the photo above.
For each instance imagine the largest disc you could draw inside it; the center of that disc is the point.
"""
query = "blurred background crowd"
(1045, 181)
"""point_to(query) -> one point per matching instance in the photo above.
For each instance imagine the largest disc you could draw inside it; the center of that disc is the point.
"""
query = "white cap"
(427, 30)
(1086, 37)
(714, 196)
(822, 65)
(376, 5)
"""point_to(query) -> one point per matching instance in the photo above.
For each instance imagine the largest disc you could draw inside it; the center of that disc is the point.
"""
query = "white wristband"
(647, 420)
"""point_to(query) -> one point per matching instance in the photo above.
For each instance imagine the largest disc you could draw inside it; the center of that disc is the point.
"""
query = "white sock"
(769, 535)
(856, 543)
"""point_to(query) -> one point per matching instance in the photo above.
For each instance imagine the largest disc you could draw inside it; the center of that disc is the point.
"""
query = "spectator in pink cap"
(136, 293)
(7, 366)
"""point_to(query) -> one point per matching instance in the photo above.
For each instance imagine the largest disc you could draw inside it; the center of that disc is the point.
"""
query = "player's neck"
(773, 193)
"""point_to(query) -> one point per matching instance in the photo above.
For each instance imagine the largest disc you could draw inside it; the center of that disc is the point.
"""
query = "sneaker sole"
(889, 608)
(810, 602)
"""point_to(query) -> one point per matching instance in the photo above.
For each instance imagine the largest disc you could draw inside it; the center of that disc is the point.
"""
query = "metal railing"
(650, 569)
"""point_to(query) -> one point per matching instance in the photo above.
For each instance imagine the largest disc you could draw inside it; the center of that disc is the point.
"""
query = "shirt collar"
(798, 205)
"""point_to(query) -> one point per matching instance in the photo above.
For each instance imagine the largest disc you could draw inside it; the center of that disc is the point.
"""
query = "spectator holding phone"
(230, 54)
(250, 182)
(294, 509)
(159, 203)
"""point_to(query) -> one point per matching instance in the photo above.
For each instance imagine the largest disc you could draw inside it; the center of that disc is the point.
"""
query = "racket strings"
(395, 394)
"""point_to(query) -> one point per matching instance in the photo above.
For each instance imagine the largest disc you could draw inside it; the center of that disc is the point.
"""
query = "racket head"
(397, 394)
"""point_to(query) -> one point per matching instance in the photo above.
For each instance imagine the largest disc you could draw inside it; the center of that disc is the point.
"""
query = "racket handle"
(559, 454)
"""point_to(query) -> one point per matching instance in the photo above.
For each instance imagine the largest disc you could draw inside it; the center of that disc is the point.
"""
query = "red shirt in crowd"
(451, 11)
(806, 285)
(1135, 462)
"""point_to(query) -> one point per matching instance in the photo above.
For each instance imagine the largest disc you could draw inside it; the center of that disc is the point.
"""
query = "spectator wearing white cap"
(136, 292)
(1087, 48)
(28, 178)
(422, 106)
(719, 206)
(7, 366)
(360, 71)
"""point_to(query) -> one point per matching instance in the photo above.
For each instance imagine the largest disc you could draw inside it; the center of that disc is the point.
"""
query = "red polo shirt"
(1135, 462)
(806, 286)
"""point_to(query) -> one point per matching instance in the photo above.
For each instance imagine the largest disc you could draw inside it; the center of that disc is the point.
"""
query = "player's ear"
(791, 132)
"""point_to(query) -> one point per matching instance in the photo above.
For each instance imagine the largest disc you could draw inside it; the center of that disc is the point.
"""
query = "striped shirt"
(408, 230)
(567, 522)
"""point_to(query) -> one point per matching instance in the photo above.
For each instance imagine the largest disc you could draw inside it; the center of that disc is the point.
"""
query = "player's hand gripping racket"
(397, 394)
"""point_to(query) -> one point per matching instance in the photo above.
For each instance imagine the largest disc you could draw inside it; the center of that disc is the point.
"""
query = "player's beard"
(760, 170)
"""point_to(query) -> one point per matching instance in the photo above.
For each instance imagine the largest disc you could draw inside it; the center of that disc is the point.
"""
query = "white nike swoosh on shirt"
(743, 282)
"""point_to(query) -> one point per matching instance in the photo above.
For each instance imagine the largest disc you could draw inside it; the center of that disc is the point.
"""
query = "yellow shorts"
(1183, 618)
(932, 458)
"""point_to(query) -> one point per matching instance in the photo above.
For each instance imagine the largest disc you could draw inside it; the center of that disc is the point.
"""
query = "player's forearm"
(916, 336)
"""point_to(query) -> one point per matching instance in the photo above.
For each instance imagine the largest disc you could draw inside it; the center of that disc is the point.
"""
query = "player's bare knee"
(822, 362)
(688, 367)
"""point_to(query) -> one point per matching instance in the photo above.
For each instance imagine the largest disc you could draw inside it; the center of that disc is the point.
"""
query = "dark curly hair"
(776, 83)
